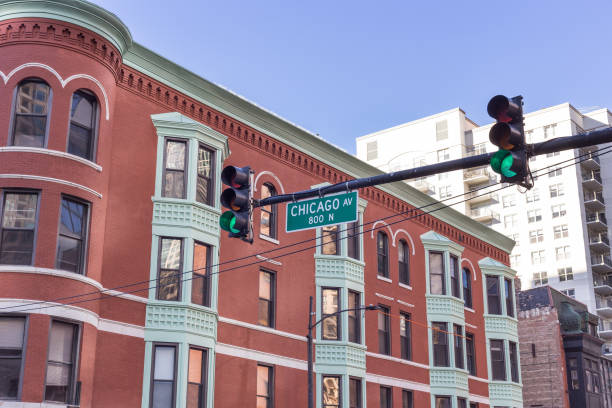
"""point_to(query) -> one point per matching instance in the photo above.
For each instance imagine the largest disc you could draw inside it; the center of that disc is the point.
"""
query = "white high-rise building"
(560, 225)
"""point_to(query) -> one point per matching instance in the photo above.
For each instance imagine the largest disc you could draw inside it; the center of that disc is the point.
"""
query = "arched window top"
(83, 121)
(268, 212)
(31, 113)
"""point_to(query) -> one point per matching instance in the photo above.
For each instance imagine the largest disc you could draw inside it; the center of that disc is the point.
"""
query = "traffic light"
(508, 134)
(238, 198)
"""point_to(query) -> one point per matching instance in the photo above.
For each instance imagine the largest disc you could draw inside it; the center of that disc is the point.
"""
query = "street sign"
(318, 212)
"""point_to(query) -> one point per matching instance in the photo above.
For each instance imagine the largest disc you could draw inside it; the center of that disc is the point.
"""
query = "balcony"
(599, 242)
(423, 186)
(604, 307)
(591, 180)
(605, 330)
(594, 201)
(481, 196)
(483, 214)
(477, 176)
(596, 221)
(590, 161)
(602, 285)
(601, 263)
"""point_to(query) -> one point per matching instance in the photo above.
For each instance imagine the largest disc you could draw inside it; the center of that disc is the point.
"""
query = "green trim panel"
(340, 354)
(172, 316)
(443, 379)
(501, 327)
(337, 267)
(186, 214)
(505, 394)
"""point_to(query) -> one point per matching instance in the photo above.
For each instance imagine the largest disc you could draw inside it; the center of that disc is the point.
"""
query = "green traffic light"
(228, 221)
(502, 162)
(506, 164)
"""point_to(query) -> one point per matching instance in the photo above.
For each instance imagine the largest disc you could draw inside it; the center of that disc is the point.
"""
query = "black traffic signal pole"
(553, 145)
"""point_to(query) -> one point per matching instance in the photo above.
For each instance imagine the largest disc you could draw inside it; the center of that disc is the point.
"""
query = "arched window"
(83, 118)
(31, 112)
(403, 258)
(382, 249)
(467, 287)
(268, 212)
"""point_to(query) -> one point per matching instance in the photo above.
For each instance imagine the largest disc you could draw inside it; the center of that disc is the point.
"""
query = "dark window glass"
(403, 262)
(386, 398)
(200, 284)
(330, 240)
(405, 337)
(330, 301)
(169, 273)
(509, 297)
(265, 385)
(467, 287)
(174, 169)
(471, 354)
(407, 399)
(196, 385)
(454, 275)
(382, 248)
(268, 212)
(72, 239)
(12, 331)
(498, 361)
(355, 393)
(83, 113)
(59, 384)
(443, 402)
(331, 392)
(493, 295)
(439, 333)
(18, 226)
(384, 337)
(352, 237)
(458, 341)
(437, 282)
(164, 376)
(462, 402)
(267, 296)
(206, 175)
(354, 321)
(473, 405)
(31, 110)
(513, 362)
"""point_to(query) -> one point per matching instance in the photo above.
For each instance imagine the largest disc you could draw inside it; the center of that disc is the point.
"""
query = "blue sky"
(347, 68)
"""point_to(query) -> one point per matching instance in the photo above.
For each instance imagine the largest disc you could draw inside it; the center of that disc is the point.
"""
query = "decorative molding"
(267, 238)
(479, 398)
(409, 237)
(384, 297)
(268, 173)
(260, 356)
(270, 260)
(397, 360)
(484, 380)
(475, 278)
(382, 278)
(261, 328)
(52, 180)
(397, 382)
(385, 224)
(403, 285)
(401, 302)
(50, 152)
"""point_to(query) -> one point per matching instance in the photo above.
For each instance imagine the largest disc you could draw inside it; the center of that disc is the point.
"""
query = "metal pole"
(309, 337)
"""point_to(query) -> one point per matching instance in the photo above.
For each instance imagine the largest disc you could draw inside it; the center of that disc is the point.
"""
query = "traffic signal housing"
(238, 198)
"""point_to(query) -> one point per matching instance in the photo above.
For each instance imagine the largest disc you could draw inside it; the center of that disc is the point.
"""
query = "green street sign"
(318, 212)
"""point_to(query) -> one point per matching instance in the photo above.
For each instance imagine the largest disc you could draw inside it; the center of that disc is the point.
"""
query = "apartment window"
(72, 238)
(441, 130)
(470, 353)
(570, 293)
(407, 399)
(565, 274)
(437, 282)
(532, 196)
(509, 200)
(563, 253)
(265, 386)
(200, 282)
(509, 295)
(555, 171)
(354, 321)
(267, 296)
(352, 240)
(443, 402)
(330, 300)
(439, 334)
(384, 335)
(355, 393)
(170, 265)
(458, 341)
(558, 210)
(498, 361)
(330, 240)
(196, 378)
(174, 169)
(446, 192)
(515, 238)
(536, 236)
(12, 330)
(515, 259)
(418, 162)
(383, 254)
(534, 215)
(372, 150)
(164, 376)
(386, 397)
(268, 214)
(403, 257)
(454, 276)
(510, 220)
(540, 278)
(556, 190)
(18, 228)
(60, 381)
(31, 111)
(467, 287)
(443, 155)
(538, 257)
(513, 362)
(553, 154)
(83, 118)
(549, 131)
(473, 405)
(529, 136)
(405, 336)
(205, 187)
(331, 392)
(493, 298)
(461, 402)
(560, 231)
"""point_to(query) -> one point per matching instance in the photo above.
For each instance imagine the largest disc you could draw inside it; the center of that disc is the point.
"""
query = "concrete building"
(560, 225)
(118, 288)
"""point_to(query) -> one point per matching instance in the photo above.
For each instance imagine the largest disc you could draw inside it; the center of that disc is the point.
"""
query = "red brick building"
(117, 288)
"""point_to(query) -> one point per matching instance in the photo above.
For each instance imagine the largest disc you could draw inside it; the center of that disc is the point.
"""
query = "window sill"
(403, 285)
(382, 278)
(267, 238)
(469, 309)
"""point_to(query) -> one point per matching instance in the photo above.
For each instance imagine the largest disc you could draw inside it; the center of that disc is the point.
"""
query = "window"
(31, 111)
(443, 155)
(268, 214)
(446, 192)
(470, 353)
(383, 254)
(513, 362)
(330, 300)
(372, 150)
(205, 187)
(536, 236)
(403, 256)
(200, 282)
(467, 287)
(540, 278)
(354, 321)
(549, 131)
(331, 392)
(267, 294)
(12, 330)
(558, 210)
(532, 196)
(570, 293)
(498, 361)
(510, 220)
(83, 118)
(418, 162)
(509, 294)
(405, 336)
(458, 341)
(196, 389)
(330, 240)
(529, 136)
(515, 259)
(60, 381)
(560, 231)
(170, 265)
(18, 228)
(441, 130)
(439, 336)
(509, 200)
(534, 215)
(473, 405)
(386, 397)
(555, 171)
(493, 300)
(436, 273)
(72, 238)
(454, 275)
(515, 238)
(565, 274)
(355, 393)
(538, 257)
(563, 253)
(384, 335)
(352, 240)
(443, 402)
(407, 399)
(174, 169)
(556, 190)
(164, 376)
(553, 154)
(265, 383)
(461, 402)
